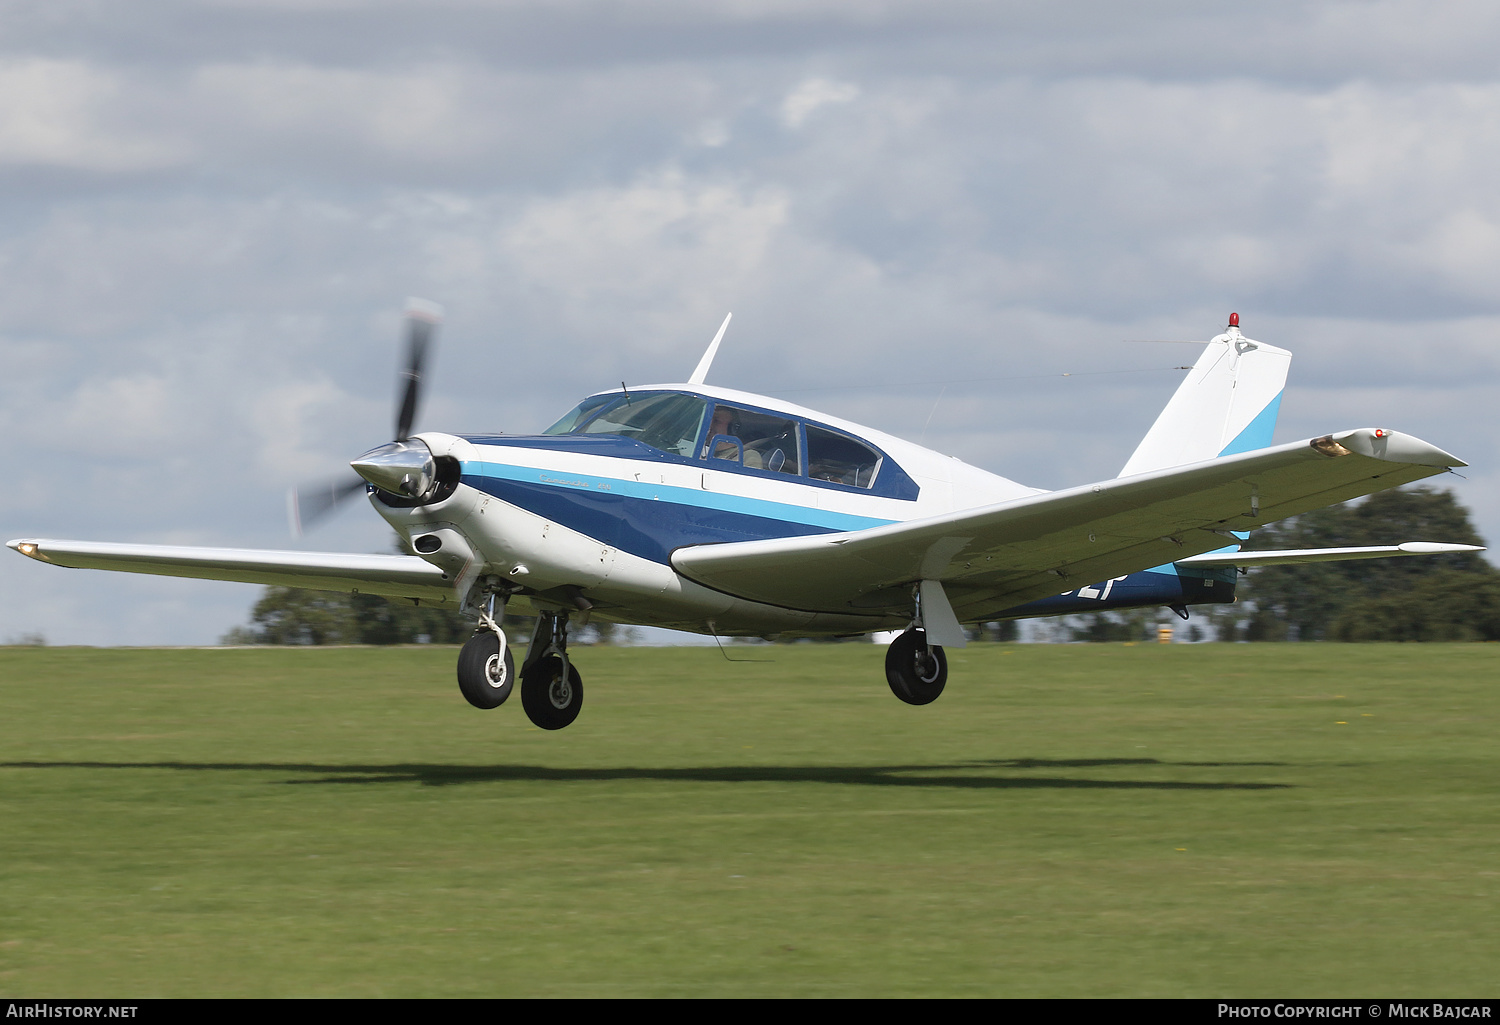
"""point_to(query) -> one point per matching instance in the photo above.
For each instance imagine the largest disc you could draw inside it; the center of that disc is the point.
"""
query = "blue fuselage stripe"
(650, 520)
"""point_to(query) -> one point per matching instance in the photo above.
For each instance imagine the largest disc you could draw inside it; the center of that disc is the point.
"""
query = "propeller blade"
(308, 504)
(422, 318)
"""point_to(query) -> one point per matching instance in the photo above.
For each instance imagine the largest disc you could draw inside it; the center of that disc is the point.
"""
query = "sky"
(953, 221)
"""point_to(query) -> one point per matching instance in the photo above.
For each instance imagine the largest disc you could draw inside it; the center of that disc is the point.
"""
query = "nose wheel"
(486, 673)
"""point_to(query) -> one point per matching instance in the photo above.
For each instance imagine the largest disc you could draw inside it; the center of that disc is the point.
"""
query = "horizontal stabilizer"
(395, 576)
(1294, 556)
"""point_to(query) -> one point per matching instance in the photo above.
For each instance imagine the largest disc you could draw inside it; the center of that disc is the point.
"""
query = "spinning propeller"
(403, 467)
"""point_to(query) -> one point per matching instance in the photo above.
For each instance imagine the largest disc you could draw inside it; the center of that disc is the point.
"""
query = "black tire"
(550, 702)
(915, 676)
(485, 677)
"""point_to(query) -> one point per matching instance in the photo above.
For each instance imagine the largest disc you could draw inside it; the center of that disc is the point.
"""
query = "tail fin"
(1227, 404)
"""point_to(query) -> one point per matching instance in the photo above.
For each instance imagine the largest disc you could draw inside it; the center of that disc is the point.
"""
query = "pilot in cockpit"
(724, 423)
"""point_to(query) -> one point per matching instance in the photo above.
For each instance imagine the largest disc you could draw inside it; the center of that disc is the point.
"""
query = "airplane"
(701, 508)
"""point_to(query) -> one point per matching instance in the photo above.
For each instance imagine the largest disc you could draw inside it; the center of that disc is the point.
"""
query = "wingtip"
(1392, 446)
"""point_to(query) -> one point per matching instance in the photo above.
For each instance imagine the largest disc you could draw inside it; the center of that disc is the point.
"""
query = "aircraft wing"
(396, 576)
(992, 558)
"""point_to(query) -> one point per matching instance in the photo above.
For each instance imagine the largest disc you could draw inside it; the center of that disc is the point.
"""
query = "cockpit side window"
(763, 441)
(669, 421)
(840, 459)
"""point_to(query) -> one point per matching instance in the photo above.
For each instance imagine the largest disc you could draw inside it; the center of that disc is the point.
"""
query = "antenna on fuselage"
(708, 357)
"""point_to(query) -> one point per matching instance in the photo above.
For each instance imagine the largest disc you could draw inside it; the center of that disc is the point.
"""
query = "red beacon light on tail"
(1234, 320)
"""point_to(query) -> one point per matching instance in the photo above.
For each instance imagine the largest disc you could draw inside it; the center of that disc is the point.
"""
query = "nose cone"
(403, 468)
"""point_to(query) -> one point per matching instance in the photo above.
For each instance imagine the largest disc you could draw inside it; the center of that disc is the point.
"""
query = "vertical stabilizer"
(1227, 404)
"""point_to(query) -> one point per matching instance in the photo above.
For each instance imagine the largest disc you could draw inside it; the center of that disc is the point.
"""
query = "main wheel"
(485, 673)
(551, 700)
(916, 673)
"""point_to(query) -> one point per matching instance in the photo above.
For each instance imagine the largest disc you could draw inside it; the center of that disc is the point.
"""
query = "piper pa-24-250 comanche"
(699, 508)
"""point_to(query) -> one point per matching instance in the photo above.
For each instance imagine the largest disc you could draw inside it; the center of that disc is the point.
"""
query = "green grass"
(1207, 820)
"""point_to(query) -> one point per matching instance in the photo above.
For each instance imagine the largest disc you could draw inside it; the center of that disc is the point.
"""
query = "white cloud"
(663, 243)
(813, 94)
(64, 113)
(418, 113)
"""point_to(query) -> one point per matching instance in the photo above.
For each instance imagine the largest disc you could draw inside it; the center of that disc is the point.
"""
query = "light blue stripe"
(1258, 432)
(808, 515)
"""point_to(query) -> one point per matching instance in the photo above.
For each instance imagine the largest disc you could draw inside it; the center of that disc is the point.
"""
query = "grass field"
(1185, 820)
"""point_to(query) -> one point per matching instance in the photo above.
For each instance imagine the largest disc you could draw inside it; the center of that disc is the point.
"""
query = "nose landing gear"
(486, 670)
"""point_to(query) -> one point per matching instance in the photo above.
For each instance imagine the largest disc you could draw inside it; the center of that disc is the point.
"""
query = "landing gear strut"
(486, 670)
(916, 671)
(551, 689)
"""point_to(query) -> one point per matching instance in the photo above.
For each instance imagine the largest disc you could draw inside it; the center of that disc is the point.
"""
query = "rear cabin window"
(840, 459)
(757, 440)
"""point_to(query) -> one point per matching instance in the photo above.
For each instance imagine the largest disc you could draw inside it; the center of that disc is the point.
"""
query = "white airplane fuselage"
(600, 514)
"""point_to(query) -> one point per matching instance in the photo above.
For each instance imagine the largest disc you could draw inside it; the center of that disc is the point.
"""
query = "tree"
(292, 615)
(1443, 606)
(1446, 597)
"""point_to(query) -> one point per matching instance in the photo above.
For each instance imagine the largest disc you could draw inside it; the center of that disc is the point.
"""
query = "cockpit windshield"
(581, 412)
(669, 421)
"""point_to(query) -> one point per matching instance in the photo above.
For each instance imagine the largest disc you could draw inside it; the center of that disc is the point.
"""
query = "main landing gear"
(551, 689)
(915, 670)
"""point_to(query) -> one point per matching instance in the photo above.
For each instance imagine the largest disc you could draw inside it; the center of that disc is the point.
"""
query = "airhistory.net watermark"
(41, 1009)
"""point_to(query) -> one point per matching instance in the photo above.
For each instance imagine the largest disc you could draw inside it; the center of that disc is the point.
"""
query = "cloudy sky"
(922, 215)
